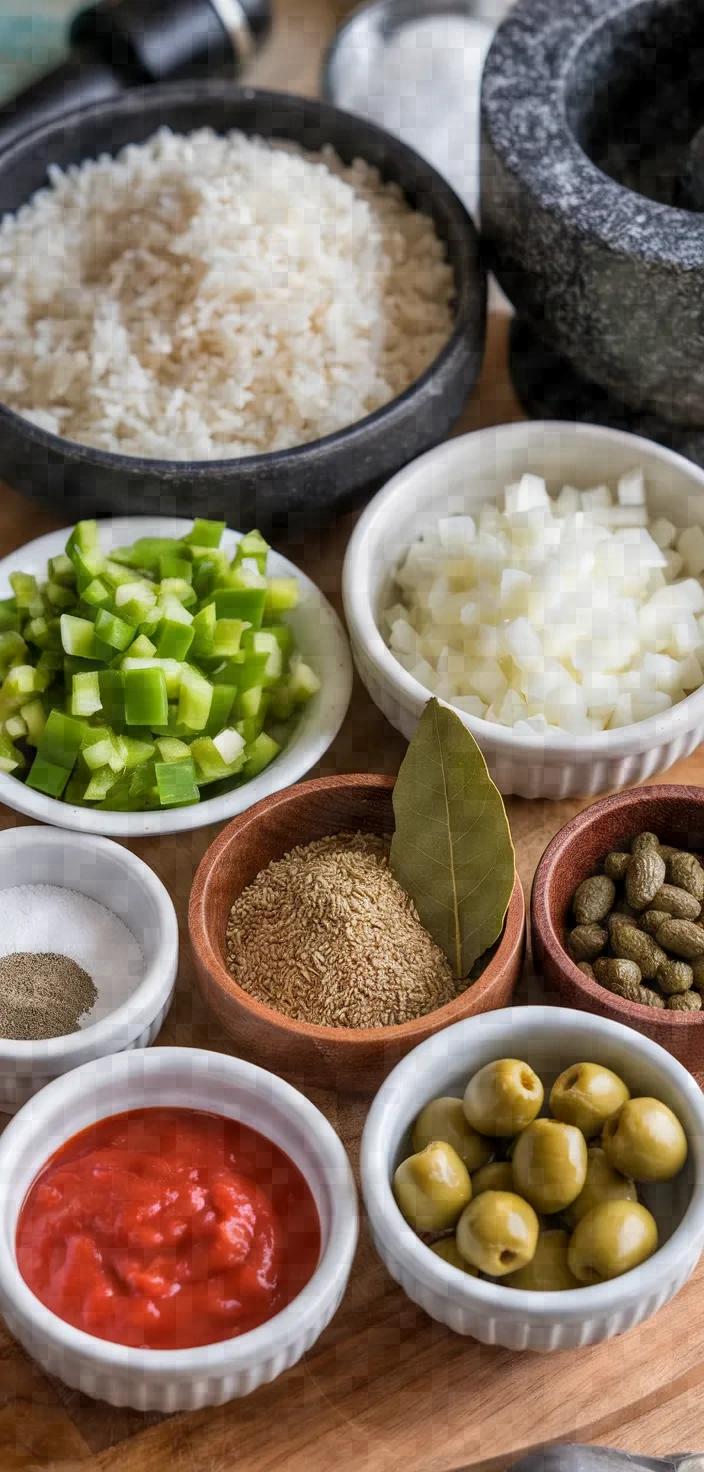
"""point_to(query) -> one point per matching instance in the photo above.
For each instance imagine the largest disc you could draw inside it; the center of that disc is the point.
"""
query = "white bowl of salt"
(88, 955)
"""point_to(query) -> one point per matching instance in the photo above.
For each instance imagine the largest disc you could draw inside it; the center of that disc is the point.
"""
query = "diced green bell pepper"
(135, 601)
(303, 682)
(77, 636)
(12, 647)
(252, 547)
(62, 570)
(176, 783)
(281, 595)
(22, 680)
(210, 766)
(113, 631)
(172, 670)
(59, 596)
(85, 694)
(205, 533)
(61, 739)
(97, 594)
(16, 727)
(146, 701)
(180, 589)
(220, 708)
(25, 589)
(195, 699)
(173, 639)
(142, 648)
(263, 661)
(34, 716)
(173, 566)
(259, 755)
(112, 694)
(170, 749)
(227, 637)
(100, 784)
(47, 777)
(204, 632)
(243, 603)
(9, 616)
(97, 748)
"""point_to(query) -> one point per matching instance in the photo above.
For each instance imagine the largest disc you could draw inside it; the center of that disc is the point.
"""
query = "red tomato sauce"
(168, 1228)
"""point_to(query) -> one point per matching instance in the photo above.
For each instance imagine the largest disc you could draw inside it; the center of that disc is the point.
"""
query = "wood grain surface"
(385, 1389)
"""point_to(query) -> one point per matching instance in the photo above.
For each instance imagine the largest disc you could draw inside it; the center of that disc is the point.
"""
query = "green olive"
(432, 1188)
(548, 1272)
(503, 1097)
(446, 1248)
(586, 1095)
(497, 1233)
(498, 1176)
(603, 1183)
(645, 1140)
(550, 1164)
(444, 1119)
(610, 1240)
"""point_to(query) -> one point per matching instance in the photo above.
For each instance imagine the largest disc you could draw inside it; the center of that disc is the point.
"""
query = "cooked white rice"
(203, 297)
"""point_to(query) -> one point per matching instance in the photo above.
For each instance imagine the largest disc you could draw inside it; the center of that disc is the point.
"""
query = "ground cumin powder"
(327, 935)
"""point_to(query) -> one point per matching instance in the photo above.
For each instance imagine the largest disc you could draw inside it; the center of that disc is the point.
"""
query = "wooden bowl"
(676, 814)
(355, 1059)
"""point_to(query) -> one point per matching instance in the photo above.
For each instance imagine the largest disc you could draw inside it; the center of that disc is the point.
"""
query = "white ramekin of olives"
(535, 1177)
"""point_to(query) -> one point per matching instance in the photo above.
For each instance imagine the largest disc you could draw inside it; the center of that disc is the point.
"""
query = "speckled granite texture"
(582, 145)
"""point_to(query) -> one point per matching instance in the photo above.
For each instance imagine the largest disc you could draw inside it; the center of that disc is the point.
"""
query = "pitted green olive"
(447, 1249)
(610, 1240)
(497, 1233)
(432, 1188)
(550, 1164)
(444, 1119)
(586, 1095)
(603, 1183)
(503, 1097)
(645, 1140)
(548, 1272)
(498, 1176)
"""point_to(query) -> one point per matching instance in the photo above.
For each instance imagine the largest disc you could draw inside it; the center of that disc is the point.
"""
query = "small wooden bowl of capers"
(617, 915)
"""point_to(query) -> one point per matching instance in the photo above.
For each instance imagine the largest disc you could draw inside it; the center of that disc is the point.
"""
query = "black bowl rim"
(471, 290)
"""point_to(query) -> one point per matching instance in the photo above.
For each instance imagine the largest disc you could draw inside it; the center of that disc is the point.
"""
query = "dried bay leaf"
(452, 850)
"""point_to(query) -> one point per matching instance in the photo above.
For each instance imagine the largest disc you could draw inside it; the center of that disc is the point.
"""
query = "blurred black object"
(118, 44)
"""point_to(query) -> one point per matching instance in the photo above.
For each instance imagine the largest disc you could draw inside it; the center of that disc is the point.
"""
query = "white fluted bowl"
(549, 1039)
(460, 476)
(129, 1011)
(183, 1379)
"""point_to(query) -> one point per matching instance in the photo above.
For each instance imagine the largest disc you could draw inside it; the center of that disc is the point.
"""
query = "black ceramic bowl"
(312, 481)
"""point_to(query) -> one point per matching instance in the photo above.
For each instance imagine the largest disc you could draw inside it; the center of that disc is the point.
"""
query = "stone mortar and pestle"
(592, 206)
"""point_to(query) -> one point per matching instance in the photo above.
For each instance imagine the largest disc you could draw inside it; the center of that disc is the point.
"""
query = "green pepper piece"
(10, 757)
(259, 755)
(61, 739)
(210, 766)
(25, 589)
(47, 776)
(146, 701)
(176, 783)
(303, 682)
(143, 781)
(195, 699)
(34, 716)
(227, 637)
(243, 603)
(100, 784)
(249, 702)
(172, 670)
(85, 694)
(172, 750)
(16, 727)
(204, 632)
(180, 589)
(62, 570)
(9, 616)
(97, 747)
(97, 594)
(112, 694)
(252, 547)
(142, 648)
(59, 596)
(283, 635)
(263, 661)
(282, 594)
(134, 601)
(205, 533)
(113, 631)
(137, 751)
(77, 636)
(220, 708)
(12, 647)
(174, 639)
(85, 538)
(173, 566)
(37, 631)
(22, 680)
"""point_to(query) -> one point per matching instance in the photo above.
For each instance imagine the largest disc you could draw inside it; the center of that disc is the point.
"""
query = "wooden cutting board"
(385, 1388)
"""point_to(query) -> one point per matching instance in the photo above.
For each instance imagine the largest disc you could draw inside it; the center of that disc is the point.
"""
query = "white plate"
(319, 637)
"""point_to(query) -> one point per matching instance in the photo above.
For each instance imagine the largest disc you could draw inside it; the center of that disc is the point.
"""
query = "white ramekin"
(319, 637)
(550, 1039)
(184, 1379)
(462, 475)
(116, 878)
